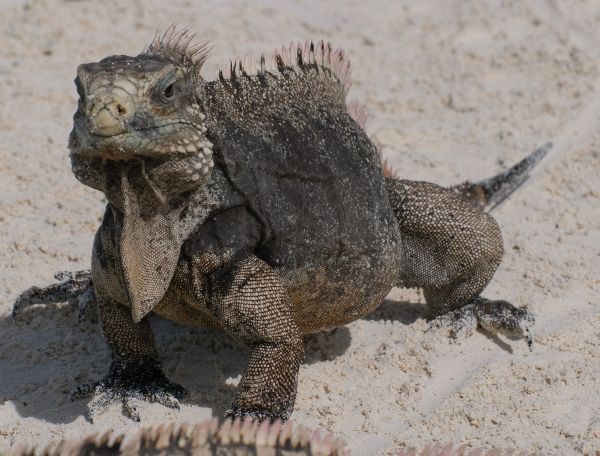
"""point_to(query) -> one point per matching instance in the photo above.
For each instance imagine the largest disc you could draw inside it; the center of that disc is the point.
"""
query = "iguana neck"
(137, 180)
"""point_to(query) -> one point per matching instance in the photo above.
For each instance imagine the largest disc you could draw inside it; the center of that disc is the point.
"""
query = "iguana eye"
(169, 91)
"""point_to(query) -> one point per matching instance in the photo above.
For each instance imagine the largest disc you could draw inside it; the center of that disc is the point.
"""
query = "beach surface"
(456, 90)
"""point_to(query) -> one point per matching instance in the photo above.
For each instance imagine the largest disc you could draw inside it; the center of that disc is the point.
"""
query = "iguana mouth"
(179, 137)
(125, 133)
(133, 131)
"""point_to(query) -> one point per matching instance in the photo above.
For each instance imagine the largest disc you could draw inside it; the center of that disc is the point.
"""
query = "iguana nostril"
(108, 113)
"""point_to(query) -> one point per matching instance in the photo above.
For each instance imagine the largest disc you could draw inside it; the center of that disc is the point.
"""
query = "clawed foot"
(497, 317)
(504, 318)
(128, 384)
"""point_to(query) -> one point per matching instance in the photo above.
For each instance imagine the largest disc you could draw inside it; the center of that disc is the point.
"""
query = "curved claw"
(527, 333)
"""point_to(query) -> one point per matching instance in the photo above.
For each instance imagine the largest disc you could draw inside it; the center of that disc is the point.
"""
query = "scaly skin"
(256, 204)
(233, 438)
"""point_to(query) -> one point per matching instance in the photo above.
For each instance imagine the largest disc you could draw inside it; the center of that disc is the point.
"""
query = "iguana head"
(142, 106)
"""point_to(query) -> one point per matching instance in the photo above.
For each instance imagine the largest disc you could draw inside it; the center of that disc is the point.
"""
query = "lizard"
(232, 438)
(206, 438)
(256, 204)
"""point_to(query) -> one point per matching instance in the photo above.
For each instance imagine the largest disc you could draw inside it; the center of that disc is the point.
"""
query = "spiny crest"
(296, 56)
(386, 168)
(359, 113)
(178, 43)
(205, 437)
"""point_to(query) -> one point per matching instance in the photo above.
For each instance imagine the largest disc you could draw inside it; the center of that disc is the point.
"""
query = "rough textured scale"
(232, 438)
(256, 204)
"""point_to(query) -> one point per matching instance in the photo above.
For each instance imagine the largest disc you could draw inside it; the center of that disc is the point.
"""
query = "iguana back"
(310, 177)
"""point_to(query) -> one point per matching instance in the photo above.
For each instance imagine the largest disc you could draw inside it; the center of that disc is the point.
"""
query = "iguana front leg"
(250, 301)
(135, 371)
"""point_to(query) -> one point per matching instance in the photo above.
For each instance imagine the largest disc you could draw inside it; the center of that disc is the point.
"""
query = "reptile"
(233, 438)
(256, 204)
(206, 438)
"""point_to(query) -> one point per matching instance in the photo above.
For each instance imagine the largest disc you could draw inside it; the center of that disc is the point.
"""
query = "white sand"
(456, 90)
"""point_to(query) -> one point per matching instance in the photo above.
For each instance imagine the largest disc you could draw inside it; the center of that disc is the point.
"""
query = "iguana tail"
(489, 193)
(72, 285)
(485, 194)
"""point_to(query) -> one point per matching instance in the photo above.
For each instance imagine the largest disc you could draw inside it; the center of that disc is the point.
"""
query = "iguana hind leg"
(250, 301)
(451, 249)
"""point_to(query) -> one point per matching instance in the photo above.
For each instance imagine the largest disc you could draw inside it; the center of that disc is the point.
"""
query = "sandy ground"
(457, 90)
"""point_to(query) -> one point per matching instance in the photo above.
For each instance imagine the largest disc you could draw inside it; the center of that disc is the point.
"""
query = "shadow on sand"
(46, 353)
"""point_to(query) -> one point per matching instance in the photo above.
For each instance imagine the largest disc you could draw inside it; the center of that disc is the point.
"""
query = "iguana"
(233, 438)
(207, 438)
(256, 204)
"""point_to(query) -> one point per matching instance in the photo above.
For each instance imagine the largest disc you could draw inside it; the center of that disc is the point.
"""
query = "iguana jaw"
(150, 142)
